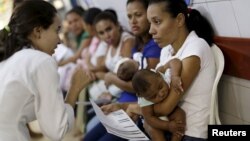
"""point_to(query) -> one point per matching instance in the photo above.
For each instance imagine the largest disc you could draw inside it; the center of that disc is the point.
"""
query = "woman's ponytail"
(198, 23)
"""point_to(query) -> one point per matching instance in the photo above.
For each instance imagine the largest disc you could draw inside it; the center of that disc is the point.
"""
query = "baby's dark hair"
(126, 71)
(26, 16)
(141, 82)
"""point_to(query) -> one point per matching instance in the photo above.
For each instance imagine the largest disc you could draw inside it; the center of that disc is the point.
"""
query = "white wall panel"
(118, 5)
(203, 9)
(223, 17)
(199, 1)
(243, 94)
(230, 119)
(234, 95)
(228, 17)
(242, 14)
(228, 101)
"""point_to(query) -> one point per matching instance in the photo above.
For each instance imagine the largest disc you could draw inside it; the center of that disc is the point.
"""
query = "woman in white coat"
(29, 86)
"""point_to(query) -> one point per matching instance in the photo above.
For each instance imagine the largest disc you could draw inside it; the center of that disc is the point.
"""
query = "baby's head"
(150, 85)
(127, 69)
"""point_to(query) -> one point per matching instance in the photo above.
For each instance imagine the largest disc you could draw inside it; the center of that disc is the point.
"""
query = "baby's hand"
(176, 127)
(177, 84)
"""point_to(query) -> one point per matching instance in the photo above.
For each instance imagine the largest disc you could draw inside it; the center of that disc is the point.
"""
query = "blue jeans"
(99, 133)
(188, 138)
(185, 138)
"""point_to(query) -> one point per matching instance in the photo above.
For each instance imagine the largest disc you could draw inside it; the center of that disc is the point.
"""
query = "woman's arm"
(152, 120)
(152, 62)
(85, 43)
(190, 69)
(79, 80)
(111, 78)
(126, 49)
(175, 65)
(100, 69)
(100, 75)
(49, 102)
(133, 107)
(100, 65)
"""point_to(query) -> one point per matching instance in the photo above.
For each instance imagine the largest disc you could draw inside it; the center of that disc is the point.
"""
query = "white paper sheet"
(119, 124)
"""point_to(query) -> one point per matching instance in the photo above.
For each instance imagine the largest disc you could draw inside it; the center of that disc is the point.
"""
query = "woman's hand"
(177, 127)
(108, 78)
(100, 75)
(111, 107)
(133, 111)
(91, 75)
(106, 96)
(80, 79)
(91, 68)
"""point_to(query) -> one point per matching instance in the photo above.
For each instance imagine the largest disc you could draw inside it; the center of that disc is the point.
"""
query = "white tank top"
(110, 60)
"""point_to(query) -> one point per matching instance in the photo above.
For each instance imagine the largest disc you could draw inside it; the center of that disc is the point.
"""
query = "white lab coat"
(29, 90)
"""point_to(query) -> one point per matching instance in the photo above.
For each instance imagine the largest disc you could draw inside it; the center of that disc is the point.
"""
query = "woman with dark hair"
(137, 15)
(32, 91)
(146, 52)
(83, 55)
(112, 11)
(76, 25)
(88, 53)
(120, 42)
(190, 35)
(120, 45)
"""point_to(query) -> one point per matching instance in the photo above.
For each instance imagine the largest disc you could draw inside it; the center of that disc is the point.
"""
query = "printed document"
(119, 124)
